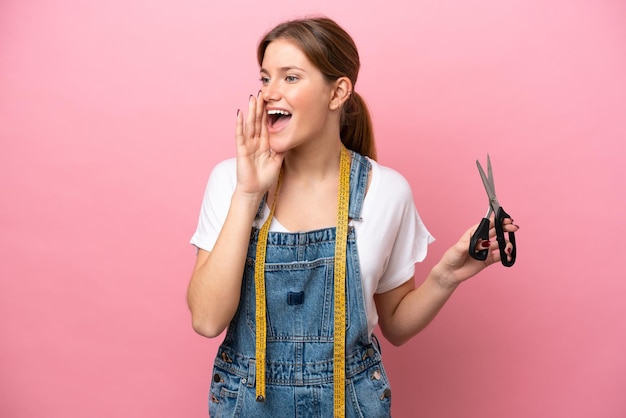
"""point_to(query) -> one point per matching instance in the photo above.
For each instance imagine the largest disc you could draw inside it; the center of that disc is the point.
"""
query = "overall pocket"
(224, 395)
(299, 300)
(369, 394)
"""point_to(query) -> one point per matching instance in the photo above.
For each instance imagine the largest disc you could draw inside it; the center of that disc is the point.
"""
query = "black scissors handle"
(482, 234)
(501, 215)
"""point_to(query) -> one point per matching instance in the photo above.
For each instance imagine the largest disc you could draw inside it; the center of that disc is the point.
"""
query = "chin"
(280, 145)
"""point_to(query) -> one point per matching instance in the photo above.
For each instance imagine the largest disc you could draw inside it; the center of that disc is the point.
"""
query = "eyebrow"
(283, 69)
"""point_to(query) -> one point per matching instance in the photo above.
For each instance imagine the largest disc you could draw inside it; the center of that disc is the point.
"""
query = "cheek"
(310, 97)
(315, 106)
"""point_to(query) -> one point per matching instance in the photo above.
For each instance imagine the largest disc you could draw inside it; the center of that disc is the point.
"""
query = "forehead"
(284, 53)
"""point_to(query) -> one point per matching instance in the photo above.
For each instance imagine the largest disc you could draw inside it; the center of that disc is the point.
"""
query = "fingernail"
(238, 112)
(509, 250)
(486, 244)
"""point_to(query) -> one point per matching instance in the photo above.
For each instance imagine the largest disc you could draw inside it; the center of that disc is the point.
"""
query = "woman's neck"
(315, 162)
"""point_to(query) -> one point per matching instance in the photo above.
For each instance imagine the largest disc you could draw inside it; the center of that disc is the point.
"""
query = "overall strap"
(359, 175)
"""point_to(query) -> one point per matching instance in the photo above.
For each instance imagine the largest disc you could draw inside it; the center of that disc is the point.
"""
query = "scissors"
(482, 233)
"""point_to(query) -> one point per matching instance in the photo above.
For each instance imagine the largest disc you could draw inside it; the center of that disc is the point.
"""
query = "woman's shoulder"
(223, 176)
(387, 181)
(225, 169)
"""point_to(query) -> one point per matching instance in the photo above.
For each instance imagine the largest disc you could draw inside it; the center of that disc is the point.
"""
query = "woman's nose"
(270, 92)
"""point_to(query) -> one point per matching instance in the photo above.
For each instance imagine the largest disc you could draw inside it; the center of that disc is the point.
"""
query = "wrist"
(246, 197)
(445, 277)
(245, 202)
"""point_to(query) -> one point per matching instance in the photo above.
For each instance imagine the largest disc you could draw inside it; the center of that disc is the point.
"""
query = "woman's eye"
(291, 78)
(265, 80)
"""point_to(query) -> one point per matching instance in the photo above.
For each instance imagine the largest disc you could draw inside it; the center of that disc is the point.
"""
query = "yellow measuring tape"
(259, 284)
(341, 238)
(339, 342)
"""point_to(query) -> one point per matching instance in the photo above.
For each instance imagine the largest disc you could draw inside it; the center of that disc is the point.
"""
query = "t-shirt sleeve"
(407, 235)
(215, 204)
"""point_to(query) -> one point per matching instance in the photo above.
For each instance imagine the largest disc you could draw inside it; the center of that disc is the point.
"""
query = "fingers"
(482, 245)
(263, 118)
(491, 245)
(256, 116)
(239, 128)
(507, 224)
(508, 228)
(508, 250)
(259, 113)
(254, 124)
(495, 256)
(250, 126)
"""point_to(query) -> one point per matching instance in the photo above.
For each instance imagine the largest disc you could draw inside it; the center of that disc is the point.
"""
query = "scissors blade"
(488, 183)
(490, 174)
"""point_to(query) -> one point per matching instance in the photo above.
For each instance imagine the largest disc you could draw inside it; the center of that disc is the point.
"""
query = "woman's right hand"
(258, 165)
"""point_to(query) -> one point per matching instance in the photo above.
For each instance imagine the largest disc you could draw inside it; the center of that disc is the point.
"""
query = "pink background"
(112, 114)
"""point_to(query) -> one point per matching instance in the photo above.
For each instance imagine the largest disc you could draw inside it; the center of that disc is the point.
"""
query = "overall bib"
(299, 279)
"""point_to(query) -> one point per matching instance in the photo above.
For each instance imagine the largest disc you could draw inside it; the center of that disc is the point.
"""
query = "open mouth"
(278, 118)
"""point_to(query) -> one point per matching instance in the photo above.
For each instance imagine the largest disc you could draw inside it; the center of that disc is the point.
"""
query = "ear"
(342, 89)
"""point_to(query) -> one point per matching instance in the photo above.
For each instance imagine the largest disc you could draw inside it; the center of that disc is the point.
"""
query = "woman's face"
(297, 98)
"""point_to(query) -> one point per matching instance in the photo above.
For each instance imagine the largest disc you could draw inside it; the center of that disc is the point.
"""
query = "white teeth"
(278, 112)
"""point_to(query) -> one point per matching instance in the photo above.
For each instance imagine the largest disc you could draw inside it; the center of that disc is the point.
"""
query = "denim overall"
(299, 280)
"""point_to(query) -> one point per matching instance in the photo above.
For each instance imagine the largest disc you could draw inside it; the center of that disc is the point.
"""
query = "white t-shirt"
(391, 236)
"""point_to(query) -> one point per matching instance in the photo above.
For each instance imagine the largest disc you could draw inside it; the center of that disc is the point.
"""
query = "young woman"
(305, 243)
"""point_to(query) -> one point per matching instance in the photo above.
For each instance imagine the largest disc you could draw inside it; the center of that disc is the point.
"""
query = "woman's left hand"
(456, 265)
